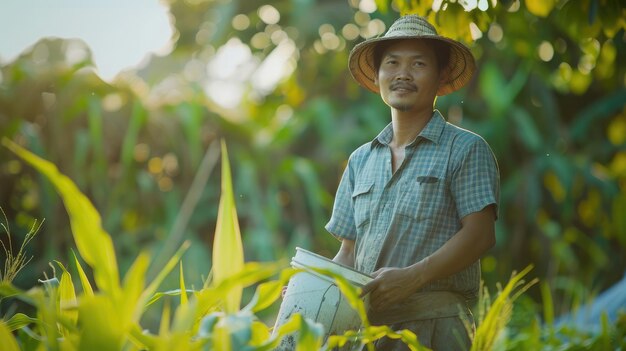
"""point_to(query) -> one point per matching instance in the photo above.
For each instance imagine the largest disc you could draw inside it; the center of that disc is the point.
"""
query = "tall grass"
(14, 262)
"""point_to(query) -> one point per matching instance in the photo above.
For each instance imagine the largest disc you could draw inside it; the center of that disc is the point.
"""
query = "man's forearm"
(345, 255)
(476, 237)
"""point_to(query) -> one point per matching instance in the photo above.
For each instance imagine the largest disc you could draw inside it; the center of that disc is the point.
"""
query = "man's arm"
(476, 236)
(345, 255)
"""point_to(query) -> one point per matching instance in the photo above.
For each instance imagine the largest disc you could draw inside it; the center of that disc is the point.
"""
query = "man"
(416, 206)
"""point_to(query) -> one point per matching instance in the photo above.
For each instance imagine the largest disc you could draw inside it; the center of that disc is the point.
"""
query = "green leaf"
(548, 308)
(267, 293)
(227, 247)
(67, 297)
(310, 335)
(146, 299)
(87, 289)
(527, 130)
(100, 324)
(137, 120)
(7, 290)
(93, 243)
(252, 273)
(159, 295)
(130, 308)
(500, 311)
(20, 320)
(183, 291)
(7, 341)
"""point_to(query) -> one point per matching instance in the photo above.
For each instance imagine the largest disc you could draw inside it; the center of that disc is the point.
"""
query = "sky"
(120, 33)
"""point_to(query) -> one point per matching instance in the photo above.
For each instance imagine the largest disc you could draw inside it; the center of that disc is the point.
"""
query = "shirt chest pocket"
(423, 198)
(362, 202)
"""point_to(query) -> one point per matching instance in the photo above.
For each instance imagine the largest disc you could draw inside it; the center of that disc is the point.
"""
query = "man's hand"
(391, 286)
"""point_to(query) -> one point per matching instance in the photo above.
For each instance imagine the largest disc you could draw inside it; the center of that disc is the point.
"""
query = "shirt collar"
(432, 131)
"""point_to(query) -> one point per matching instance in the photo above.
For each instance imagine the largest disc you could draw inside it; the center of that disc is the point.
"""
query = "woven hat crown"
(410, 25)
(460, 68)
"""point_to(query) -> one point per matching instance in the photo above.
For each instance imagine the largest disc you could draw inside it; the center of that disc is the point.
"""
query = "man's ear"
(444, 77)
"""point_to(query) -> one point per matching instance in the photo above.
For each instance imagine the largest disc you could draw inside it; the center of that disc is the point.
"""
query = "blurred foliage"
(271, 80)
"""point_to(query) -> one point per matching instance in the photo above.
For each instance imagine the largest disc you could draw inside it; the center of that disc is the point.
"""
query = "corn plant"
(107, 316)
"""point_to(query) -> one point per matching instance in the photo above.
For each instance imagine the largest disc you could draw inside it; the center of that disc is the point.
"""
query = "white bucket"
(318, 298)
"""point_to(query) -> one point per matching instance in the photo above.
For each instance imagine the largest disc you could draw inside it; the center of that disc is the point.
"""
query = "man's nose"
(403, 73)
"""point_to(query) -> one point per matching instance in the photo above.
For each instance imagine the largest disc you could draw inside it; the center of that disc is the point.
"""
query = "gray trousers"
(438, 334)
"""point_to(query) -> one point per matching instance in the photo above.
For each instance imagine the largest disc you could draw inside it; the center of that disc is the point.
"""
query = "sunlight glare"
(269, 14)
(241, 22)
(367, 6)
(546, 51)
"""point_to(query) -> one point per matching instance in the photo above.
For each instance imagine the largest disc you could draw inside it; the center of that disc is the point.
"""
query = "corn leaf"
(267, 293)
(7, 341)
(7, 290)
(143, 340)
(84, 281)
(101, 328)
(20, 320)
(251, 273)
(183, 291)
(185, 318)
(164, 325)
(260, 333)
(500, 312)
(93, 243)
(156, 297)
(310, 335)
(67, 297)
(146, 299)
(134, 280)
(227, 247)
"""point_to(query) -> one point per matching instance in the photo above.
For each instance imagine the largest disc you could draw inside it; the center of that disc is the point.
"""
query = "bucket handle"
(317, 314)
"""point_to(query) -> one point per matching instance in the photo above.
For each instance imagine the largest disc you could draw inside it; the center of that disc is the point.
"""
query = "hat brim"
(461, 65)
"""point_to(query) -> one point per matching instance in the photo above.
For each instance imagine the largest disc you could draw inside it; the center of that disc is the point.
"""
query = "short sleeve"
(475, 182)
(341, 223)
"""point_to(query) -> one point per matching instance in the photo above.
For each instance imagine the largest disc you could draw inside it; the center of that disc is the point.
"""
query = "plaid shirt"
(398, 219)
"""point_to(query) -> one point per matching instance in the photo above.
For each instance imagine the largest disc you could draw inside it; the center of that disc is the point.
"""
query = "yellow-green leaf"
(227, 247)
(20, 320)
(152, 287)
(7, 341)
(130, 308)
(260, 333)
(183, 291)
(500, 312)
(93, 243)
(164, 326)
(267, 293)
(84, 281)
(67, 297)
(100, 324)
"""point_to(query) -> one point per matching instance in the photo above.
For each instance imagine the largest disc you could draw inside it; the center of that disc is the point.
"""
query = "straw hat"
(461, 65)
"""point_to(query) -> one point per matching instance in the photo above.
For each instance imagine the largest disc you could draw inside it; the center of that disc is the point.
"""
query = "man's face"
(408, 77)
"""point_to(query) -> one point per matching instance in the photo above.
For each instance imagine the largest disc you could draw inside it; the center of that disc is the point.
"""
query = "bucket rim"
(360, 274)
